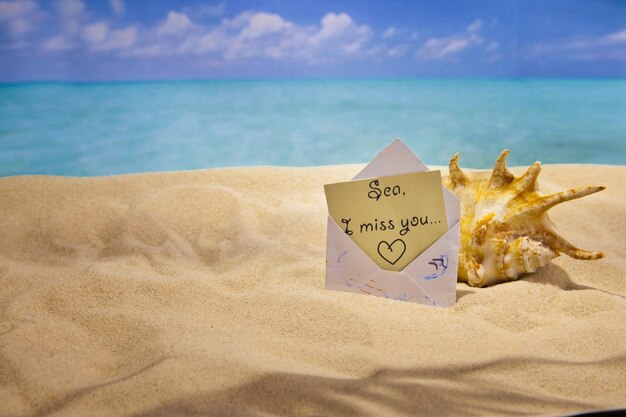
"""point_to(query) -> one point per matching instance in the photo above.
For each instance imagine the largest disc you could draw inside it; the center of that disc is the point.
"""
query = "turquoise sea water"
(112, 128)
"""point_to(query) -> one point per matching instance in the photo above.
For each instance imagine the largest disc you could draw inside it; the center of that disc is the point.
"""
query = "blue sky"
(80, 40)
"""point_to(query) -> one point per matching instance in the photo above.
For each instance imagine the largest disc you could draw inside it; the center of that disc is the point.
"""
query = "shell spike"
(528, 181)
(567, 248)
(501, 176)
(549, 201)
(457, 177)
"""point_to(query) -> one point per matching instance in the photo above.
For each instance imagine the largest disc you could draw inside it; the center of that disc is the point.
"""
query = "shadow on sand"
(555, 275)
(428, 391)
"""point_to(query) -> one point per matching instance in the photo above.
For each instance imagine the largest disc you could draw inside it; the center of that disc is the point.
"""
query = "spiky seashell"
(505, 229)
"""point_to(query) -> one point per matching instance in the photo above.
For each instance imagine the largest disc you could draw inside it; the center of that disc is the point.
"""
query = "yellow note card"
(392, 219)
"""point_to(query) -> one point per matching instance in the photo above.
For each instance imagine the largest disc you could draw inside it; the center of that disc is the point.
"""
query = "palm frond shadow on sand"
(428, 391)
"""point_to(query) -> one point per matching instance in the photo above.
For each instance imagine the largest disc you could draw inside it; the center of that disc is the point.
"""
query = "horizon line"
(313, 78)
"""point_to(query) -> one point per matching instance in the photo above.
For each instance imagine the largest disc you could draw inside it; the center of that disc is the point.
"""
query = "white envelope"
(430, 279)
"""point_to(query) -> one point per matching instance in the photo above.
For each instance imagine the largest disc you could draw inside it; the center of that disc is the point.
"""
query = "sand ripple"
(201, 293)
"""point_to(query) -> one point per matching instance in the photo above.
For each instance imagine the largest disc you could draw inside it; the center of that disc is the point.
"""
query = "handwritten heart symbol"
(392, 252)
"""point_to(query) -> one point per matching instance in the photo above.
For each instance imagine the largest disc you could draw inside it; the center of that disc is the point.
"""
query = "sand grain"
(201, 293)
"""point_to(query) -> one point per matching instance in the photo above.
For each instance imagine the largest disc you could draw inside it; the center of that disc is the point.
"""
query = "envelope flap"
(453, 207)
(435, 269)
(395, 159)
(344, 257)
(397, 286)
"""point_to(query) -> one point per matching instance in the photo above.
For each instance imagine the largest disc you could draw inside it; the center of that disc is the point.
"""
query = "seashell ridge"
(505, 228)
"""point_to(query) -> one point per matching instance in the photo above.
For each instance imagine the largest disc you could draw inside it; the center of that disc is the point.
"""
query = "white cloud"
(492, 52)
(77, 29)
(611, 46)
(209, 42)
(202, 44)
(95, 33)
(58, 43)
(15, 9)
(262, 23)
(72, 13)
(118, 7)
(70, 8)
(20, 26)
(436, 48)
(236, 22)
(120, 39)
(338, 33)
(398, 51)
(475, 26)
(267, 35)
(444, 47)
(154, 50)
(614, 38)
(334, 25)
(18, 16)
(390, 32)
(175, 24)
(247, 35)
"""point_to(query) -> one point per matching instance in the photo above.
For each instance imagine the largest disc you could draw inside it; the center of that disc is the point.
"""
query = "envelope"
(429, 279)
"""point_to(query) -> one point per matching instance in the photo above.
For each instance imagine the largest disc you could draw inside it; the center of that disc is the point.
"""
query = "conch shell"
(505, 229)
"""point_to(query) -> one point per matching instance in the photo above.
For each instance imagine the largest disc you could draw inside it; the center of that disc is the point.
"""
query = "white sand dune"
(201, 293)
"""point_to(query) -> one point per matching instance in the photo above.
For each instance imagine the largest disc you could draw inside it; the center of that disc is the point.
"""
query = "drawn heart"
(392, 252)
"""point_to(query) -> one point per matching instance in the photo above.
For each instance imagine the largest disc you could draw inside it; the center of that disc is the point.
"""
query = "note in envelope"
(392, 219)
(393, 231)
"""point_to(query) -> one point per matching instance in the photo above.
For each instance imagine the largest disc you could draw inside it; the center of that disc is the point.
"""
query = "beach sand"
(202, 293)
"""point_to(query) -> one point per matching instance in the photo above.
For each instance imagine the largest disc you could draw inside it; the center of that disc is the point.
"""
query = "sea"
(94, 129)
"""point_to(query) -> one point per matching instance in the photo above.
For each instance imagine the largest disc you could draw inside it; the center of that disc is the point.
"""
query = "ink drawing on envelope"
(393, 231)
(392, 219)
